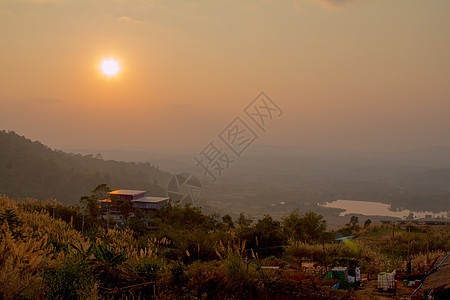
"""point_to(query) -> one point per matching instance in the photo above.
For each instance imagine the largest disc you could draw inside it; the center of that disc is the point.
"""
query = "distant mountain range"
(417, 179)
(298, 176)
(31, 169)
(436, 157)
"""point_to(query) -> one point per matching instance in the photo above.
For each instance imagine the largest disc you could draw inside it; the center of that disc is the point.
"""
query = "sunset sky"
(357, 74)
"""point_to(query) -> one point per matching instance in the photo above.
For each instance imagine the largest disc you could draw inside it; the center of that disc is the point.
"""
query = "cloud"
(335, 3)
(46, 100)
(4, 12)
(129, 19)
(43, 1)
(181, 105)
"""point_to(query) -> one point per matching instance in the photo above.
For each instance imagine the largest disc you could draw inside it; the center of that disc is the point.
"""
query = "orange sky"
(350, 74)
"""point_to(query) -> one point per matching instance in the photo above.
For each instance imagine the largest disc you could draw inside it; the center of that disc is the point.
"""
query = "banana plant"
(110, 266)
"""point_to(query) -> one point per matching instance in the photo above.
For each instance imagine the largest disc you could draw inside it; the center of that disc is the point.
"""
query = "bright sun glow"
(110, 67)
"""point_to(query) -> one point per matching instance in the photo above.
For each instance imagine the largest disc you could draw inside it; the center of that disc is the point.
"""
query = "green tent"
(336, 275)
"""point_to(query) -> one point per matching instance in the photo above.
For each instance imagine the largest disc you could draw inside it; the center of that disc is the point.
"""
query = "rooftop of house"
(151, 199)
(344, 238)
(127, 192)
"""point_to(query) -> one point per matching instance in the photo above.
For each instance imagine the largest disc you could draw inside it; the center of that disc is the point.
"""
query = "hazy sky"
(361, 74)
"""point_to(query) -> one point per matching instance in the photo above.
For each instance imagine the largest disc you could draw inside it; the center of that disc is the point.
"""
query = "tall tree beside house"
(101, 192)
(125, 208)
(91, 203)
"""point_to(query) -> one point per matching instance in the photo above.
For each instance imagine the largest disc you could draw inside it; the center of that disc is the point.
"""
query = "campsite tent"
(340, 273)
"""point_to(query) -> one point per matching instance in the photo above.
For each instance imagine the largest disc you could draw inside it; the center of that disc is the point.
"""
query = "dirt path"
(369, 290)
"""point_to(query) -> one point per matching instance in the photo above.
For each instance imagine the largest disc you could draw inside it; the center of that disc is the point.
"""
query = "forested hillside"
(31, 169)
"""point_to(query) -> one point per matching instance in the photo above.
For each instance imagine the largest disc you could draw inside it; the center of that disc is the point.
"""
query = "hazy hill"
(301, 177)
(31, 169)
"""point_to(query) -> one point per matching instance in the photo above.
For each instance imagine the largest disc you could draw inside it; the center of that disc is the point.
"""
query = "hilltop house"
(137, 199)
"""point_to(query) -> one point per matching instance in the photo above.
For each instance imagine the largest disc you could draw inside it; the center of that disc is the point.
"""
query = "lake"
(377, 209)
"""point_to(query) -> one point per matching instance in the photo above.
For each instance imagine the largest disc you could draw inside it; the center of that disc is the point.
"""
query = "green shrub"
(148, 269)
(70, 278)
(241, 279)
(206, 279)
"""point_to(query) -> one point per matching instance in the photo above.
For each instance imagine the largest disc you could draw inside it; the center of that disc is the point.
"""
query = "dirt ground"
(369, 290)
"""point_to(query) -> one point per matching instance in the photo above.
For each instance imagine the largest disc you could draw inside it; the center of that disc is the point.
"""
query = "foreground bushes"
(44, 257)
(69, 278)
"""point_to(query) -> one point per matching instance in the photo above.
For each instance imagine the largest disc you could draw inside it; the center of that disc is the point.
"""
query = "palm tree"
(109, 266)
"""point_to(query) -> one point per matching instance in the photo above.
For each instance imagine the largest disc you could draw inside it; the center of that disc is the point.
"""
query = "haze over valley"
(266, 180)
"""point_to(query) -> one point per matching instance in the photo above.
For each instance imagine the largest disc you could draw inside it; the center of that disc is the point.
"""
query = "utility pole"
(393, 235)
(409, 231)
(82, 226)
(428, 244)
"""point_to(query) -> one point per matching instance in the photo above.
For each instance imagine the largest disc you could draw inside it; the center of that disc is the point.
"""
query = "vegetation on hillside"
(47, 251)
(31, 169)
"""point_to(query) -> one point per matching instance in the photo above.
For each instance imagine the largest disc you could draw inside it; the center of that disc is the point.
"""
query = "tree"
(91, 203)
(269, 236)
(137, 224)
(367, 223)
(308, 227)
(125, 208)
(186, 217)
(228, 221)
(293, 225)
(353, 225)
(109, 265)
(101, 192)
(314, 225)
(244, 221)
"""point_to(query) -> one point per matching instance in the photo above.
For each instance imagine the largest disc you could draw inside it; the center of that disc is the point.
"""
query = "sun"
(109, 67)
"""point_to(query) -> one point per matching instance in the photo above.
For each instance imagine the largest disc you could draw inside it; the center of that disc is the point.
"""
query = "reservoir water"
(377, 209)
